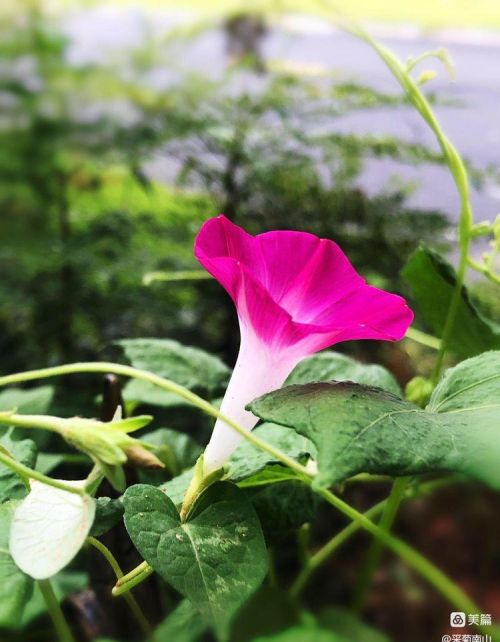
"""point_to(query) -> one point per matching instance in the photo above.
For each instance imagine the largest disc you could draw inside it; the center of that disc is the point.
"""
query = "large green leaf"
(333, 366)
(11, 485)
(15, 586)
(362, 429)
(216, 559)
(31, 401)
(189, 367)
(432, 281)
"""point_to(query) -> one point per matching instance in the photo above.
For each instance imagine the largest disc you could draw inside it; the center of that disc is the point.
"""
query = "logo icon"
(457, 619)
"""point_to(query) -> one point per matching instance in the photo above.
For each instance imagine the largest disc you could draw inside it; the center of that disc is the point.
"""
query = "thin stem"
(94, 479)
(485, 270)
(316, 560)
(421, 564)
(56, 615)
(458, 172)
(452, 311)
(166, 384)
(376, 547)
(28, 473)
(423, 338)
(180, 275)
(133, 578)
(134, 606)
(327, 550)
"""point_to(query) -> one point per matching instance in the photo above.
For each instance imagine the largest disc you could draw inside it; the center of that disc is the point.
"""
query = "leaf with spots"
(216, 559)
(358, 428)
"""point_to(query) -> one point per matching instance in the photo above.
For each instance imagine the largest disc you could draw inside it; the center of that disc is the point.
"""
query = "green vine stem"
(374, 553)
(133, 578)
(423, 338)
(28, 473)
(328, 549)
(314, 562)
(417, 561)
(457, 168)
(61, 627)
(165, 384)
(413, 558)
(485, 269)
(136, 610)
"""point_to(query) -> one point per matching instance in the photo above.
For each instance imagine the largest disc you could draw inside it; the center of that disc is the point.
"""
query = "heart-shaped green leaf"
(333, 366)
(217, 558)
(362, 429)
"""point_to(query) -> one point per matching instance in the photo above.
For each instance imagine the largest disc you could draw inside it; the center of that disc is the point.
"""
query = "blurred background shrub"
(83, 219)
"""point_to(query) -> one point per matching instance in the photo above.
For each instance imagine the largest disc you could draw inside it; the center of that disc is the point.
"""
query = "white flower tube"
(257, 372)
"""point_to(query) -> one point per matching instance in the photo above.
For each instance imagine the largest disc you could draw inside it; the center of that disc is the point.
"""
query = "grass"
(426, 13)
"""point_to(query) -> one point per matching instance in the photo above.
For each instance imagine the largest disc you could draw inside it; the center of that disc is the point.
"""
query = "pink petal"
(256, 309)
(291, 285)
(365, 313)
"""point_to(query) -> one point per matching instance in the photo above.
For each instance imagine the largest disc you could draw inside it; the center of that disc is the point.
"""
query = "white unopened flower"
(49, 527)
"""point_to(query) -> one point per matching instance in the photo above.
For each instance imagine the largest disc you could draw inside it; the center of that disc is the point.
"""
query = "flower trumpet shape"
(295, 294)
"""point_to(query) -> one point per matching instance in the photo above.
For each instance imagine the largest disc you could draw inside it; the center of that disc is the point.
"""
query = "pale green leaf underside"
(183, 624)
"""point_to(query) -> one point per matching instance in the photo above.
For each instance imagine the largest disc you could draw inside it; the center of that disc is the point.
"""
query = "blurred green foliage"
(82, 223)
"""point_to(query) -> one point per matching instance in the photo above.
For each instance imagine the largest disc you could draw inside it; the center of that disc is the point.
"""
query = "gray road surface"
(474, 126)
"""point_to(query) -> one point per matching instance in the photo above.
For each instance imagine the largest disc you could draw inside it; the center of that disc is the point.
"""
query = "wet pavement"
(472, 122)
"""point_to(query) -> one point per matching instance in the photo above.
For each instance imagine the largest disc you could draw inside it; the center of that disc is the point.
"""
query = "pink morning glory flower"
(295, 294)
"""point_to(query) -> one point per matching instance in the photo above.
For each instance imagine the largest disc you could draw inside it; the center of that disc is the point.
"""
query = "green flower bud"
(418, 390)
(109, 442)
